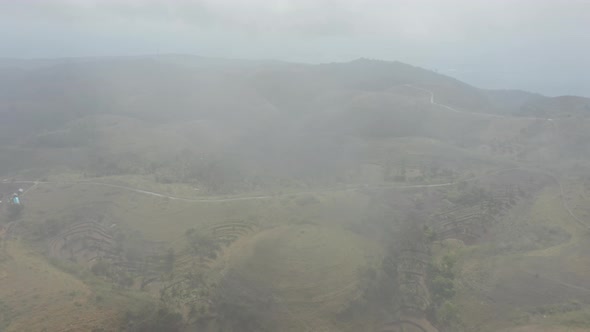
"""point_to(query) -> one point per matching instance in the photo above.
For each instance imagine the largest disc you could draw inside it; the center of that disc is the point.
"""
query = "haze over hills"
(148, 101)
(183, 193)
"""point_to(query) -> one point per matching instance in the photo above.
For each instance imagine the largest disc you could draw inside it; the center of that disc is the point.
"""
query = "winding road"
(35, 184)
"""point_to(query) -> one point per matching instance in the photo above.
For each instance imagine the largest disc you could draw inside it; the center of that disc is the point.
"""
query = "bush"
(154, 319)
(101, 268)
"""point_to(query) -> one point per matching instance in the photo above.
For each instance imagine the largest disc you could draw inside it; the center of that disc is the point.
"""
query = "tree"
(441, 284)
(154, 319)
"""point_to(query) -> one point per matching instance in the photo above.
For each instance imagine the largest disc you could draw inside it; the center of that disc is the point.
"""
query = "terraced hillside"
(313, 274)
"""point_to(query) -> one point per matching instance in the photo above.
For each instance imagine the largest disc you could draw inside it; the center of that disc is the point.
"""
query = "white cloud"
(434, 33)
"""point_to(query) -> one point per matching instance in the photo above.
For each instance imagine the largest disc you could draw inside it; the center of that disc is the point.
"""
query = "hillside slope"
(185, 193)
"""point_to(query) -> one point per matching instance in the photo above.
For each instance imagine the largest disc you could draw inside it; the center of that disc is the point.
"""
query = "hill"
(72, 104)
(178, 192)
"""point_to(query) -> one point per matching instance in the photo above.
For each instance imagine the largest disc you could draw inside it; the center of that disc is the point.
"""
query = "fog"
(226, 166)
(541, 46)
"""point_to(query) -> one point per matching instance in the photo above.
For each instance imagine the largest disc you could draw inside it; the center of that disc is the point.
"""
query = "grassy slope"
(37, 296)
(501, 288)
(324, 217)
(312, 271)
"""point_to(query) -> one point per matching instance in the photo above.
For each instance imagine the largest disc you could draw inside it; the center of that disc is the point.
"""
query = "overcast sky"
(538, 45)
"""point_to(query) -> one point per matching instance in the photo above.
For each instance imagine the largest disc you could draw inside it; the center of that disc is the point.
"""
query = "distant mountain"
(263, 114)
(522, 103)
(556, 107)
(511, 101)
(189, 83)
